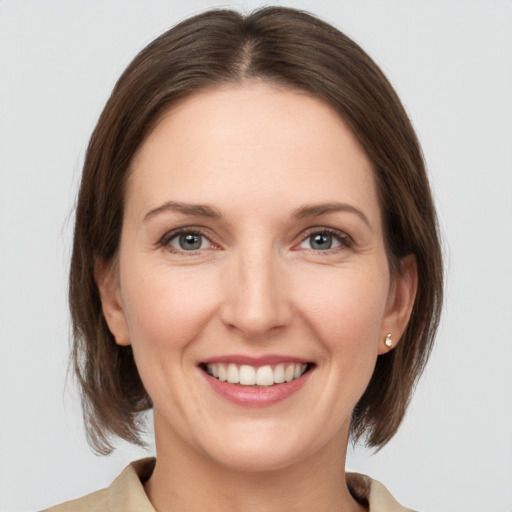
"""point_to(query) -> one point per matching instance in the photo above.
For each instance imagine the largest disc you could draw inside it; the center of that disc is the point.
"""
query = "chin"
(262, 448)
(257, 459)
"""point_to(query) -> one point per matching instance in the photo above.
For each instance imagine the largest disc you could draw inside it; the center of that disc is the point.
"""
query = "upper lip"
(255, 361)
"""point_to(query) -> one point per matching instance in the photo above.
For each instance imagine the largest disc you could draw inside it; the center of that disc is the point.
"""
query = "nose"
(257, 298)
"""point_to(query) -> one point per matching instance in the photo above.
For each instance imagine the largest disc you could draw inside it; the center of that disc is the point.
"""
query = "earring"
(388, 341)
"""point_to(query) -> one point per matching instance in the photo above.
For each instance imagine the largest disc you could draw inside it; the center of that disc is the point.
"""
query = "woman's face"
(252, 250)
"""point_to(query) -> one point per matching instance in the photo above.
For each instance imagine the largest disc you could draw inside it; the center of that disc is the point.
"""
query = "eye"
(189, 241)
(325, 240)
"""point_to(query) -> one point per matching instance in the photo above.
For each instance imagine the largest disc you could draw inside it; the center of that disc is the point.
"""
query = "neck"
(187, 480)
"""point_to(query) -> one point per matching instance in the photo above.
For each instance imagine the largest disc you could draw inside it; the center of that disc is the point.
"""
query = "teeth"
(279, 374)
(288, 373)
(247, 375)
(233, 376)
(264, 376)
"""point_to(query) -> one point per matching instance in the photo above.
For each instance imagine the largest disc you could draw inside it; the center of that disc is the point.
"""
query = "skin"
(256, 286)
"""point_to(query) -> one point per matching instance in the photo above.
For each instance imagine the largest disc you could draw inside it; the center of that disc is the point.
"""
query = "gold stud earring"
(388, 341)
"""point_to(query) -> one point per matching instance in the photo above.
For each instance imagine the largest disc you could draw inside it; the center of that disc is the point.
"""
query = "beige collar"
(126, 493)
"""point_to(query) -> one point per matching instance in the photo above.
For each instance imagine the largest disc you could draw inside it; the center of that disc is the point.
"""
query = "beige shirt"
(126, 493)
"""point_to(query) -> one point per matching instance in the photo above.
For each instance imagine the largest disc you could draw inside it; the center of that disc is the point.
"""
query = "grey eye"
(189, 242)
(320, 242)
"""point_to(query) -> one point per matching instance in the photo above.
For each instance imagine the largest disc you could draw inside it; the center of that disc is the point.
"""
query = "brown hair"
(296, 50)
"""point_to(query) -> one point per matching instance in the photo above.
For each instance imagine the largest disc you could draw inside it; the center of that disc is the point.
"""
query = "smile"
(247, 375)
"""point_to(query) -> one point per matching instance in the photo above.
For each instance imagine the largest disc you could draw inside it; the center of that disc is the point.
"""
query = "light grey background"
(451, 62)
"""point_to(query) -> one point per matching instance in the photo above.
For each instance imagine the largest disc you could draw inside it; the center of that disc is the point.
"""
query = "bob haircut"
(297, 51)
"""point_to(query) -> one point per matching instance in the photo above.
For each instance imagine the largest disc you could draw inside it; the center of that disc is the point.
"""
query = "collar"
(126, 493)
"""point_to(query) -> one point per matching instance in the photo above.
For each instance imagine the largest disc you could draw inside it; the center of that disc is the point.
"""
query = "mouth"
(260, 376)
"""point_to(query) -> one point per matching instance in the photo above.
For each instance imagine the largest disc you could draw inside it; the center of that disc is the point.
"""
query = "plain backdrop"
(451, 62)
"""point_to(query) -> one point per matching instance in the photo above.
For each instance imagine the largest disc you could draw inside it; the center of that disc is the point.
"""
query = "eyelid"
(164, 241)
(345, 239)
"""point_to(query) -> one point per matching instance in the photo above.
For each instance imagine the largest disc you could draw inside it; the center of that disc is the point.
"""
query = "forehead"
(243, 141)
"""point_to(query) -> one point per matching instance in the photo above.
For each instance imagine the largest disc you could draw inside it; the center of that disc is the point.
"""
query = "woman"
(256, 258)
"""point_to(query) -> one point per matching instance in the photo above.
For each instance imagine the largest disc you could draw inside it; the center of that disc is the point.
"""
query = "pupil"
(190, 242)
(321, 242)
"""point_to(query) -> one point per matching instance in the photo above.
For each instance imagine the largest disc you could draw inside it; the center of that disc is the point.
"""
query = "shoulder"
(95, 502)
(125, 494)
(373, 494)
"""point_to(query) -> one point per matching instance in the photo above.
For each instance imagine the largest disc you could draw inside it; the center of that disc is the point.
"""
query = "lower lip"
(256, 396)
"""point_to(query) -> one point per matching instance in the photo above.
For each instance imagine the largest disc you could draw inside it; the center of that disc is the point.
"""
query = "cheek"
(166, 309)
(346, 308)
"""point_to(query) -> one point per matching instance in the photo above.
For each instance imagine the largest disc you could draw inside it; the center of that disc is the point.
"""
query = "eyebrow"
(317, 210)
(201, 210)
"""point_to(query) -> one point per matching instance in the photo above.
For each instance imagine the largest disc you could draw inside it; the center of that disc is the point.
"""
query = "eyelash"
(346, 242)
(165, 241)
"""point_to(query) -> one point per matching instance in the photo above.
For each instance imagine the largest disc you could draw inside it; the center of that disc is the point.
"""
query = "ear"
(400, 303)
(106, 276)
